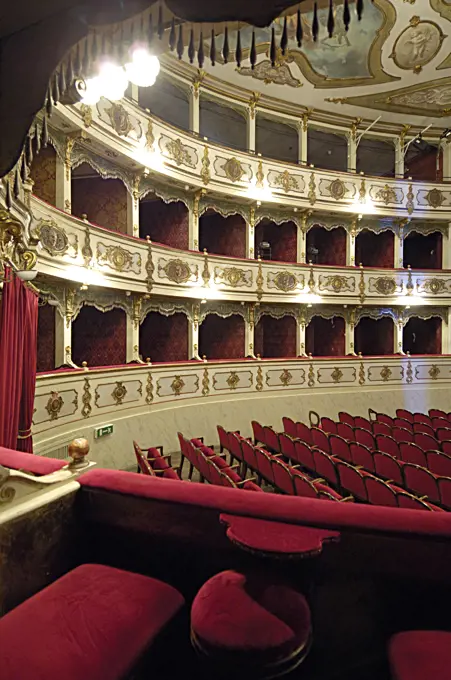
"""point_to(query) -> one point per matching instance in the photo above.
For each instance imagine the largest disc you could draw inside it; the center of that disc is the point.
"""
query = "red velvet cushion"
(273, 537)
(91, 624)
(28, 462)
(239, 614)
(421, 655)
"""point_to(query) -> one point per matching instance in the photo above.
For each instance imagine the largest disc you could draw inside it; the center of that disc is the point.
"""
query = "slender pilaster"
(352, 152)
(193, 221)
(301, 243)
(194, 103)
(250, 235)
(63, 198)
(193, 333)
(300, 332)
(249, 329)
(251, 122)
(446, 245)
(134, 93)
(349, 331)
(399, 245)
(446, 333)
(132, 331)
(446, 160)
(398, 334)
(302, 138)
(399, 158)
(350, 243)
(63, 331)
(133, 209)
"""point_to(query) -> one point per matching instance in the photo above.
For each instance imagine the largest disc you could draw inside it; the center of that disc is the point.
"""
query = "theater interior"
(225, 340)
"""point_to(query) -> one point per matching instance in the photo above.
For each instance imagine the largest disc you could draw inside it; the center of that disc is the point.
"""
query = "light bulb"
(91, 92)
(143, 69)
(113, 81)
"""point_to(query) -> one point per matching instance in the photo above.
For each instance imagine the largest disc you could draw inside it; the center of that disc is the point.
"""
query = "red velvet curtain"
(18, 353)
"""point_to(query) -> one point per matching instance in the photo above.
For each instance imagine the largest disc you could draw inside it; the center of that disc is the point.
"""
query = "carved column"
(251, 120)
(63, 331)
(398, 333)
(301, 243)
(446, 258)
(352, 150)
(250, 234)
(193, 219)
(350, 242)
(63, 177)
(399, 245)
(349, 331)
(446, 332)
(399, 157)
(134, 93)
(249, 328)
(132, 331)
(300, 332)
(302, 138)
(446, 160)
(133, 208)
(194, 102)
(193, 332)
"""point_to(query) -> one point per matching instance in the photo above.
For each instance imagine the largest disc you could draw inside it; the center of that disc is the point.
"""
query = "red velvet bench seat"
(421, 655)
(94, 623)
(247, 626)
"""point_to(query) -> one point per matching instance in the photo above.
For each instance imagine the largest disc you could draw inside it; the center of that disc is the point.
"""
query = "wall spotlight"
(446, 133)
(27, 274)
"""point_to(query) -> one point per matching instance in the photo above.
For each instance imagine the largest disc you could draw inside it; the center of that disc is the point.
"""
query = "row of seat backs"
(282, 475)
(438, 428)
(212, 468)
(153, 462)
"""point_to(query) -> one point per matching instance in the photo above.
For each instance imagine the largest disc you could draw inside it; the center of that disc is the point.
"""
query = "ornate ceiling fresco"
(393, 62)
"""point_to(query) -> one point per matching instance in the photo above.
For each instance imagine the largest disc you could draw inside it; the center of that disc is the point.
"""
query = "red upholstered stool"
(246, 627)
(94, 623)
(421, 655)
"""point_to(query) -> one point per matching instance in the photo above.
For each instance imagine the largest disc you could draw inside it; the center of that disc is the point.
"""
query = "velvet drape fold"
(18, 355)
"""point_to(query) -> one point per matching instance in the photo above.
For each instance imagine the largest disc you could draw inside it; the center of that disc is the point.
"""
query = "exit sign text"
(103, 431)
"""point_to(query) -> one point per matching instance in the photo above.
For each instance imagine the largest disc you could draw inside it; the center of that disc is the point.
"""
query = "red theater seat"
(246, 626)
(93, 623)
(421, 655)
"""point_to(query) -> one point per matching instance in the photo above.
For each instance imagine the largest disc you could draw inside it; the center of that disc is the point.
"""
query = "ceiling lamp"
(111, 83)
(143, 69)
(89, 90)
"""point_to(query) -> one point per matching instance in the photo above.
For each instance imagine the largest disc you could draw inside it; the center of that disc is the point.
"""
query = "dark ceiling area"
(35, 35)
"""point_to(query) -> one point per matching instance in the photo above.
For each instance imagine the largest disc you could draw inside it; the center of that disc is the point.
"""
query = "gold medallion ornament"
(385, 285)
(120, 120)
(285, 281)
(149, 389)
(260, 179)
(177, 385)
(205, 171)
(233, 380)
(150, 137)
(178, 152)
(234, 277)
(387, 195)
(54, 405)
(385, 374)
(435, 286)
(285, 377)
(336, 375)
(435, 198)
(233, 169)
(52, 237)
(177, 271)
(286, 181)
(259, 380)
(337, 189)
(337, 284)
(434, 372)
(119, 393)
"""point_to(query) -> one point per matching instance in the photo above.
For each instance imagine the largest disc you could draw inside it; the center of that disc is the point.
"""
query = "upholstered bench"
(421, 655)
(245, 626)
(94, 623)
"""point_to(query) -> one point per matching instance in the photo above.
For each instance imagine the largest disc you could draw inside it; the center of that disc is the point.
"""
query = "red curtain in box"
(99, 338)
(281, 237)
(374, 337)
(222, 338)
(165, 223)
(46, 338)
(18, 352)
(104, 201)
(275, 337)
(423, 251)
(331, 246)
(164, 338)
(325, 337)
(222, 235)
(375, 250)
(423, 336)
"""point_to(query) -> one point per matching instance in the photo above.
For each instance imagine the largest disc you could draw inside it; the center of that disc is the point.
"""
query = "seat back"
(325, 466)
(287, 446)
(421, 418)
(346, 431)
(437, 413)
(407, 500)
(400, 434)
(440, 422)
(380, 492)
(351, 480)
(362, 456)
(282, 476)
(381, 428)
(303, 433)
(320, 439)
(339, 447)
(364, 437)
(385, 419)
(303, 486)
(444, 485)
(363, 423)
(346, 418)
(445, 446)
(271, 439)
(424, 428)
(303, 455)
(403, 424)
(223, 438)
(258, 432)
(421, 482)
(289, 426)
(387, 445)
(438, 463)
(443, 433)
(403, 413)
(426, 442)
(143, 464)
(264, 464)
(215, 475)
(388, 467)
(235, 446)
(328, 425)
(249, 454)
(411, 453)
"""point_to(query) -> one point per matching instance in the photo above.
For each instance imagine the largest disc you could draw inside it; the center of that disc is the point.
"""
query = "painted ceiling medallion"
(54, 405)
(120, 120)
(337, 189)
(435, 198)
(280, 74)
(417, 45)
(233, 169)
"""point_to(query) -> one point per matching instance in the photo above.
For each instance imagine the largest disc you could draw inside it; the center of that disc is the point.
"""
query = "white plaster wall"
(158, 424)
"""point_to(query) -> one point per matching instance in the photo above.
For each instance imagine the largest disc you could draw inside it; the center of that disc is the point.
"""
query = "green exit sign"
(103, 431)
